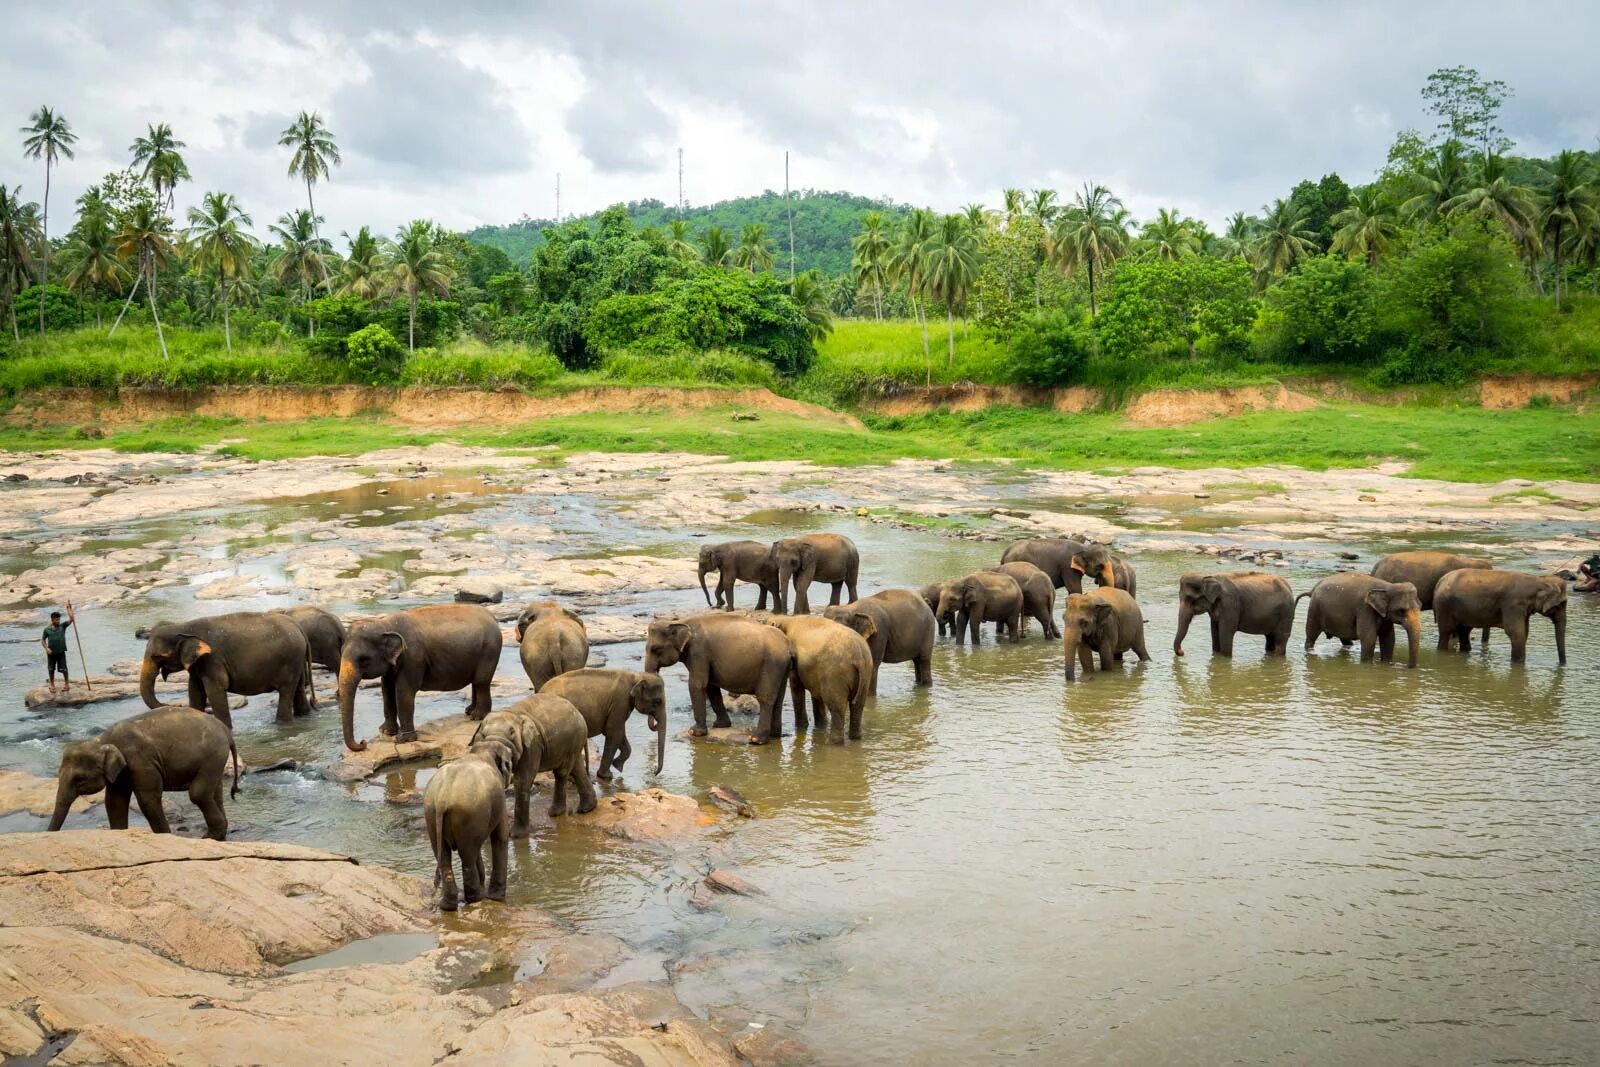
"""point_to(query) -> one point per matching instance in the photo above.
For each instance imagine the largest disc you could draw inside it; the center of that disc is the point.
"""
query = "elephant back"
(557, 722)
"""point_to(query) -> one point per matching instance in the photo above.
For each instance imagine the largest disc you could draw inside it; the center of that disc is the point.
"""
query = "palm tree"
(16, 256)
(164, 167)
(952, 267)
(315, 154)
(417, 267)
(716, 247)
(146, 238)
(977, 216)
(812, 297)
(1013, 201)
(1169, 236)
(908, 264)
(1491, 195)
(1042, 206)
(1284, 238)
(363, 267)
(219, 241)
(678, 242)
(303, 257)
(1238, 235)
(1368, 227)
(754, 252)
(48, 136)
(1569, 206)
(91, 254)
(870, 261)
(1092, 234)
(1441, 180)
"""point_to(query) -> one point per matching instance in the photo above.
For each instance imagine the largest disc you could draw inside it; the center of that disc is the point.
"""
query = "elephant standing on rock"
(547, 734)
(1053, 555)
(1465, 599)
(1359, 607)
(724, 652)
(464, 808)
(987, 596)
(1108, 571)
(1107, 621)
(439, 648)
(903, 629)
(553, 641)
(245, 652)
(158, 751)
(830, 558)
(1251, 602)
(833, 663)
(1038, 595)
(739, 561)
(604, 697)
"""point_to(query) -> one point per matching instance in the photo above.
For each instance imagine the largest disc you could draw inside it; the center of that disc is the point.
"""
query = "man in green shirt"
(54, 643)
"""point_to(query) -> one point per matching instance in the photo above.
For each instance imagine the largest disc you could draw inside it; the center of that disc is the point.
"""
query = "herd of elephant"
(833, 657)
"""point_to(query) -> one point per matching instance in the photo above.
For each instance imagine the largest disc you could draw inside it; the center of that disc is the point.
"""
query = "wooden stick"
(78, 640)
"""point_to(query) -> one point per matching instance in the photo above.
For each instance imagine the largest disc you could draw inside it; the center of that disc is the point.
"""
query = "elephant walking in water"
(903, 629)
(724, 652)
(833, 663)
(986, 596)
(1249, 602)
(830, 558)
(1107, 621)
(245, 652)
(1054, 556)
(1038, 595)
(605, 697)
(1359, 607)
(739, 561)
(1465, 599)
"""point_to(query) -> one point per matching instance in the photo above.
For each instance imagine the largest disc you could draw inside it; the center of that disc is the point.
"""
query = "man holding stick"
(54, 643)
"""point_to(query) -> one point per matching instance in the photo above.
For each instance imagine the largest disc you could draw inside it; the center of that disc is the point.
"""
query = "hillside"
(824, 223)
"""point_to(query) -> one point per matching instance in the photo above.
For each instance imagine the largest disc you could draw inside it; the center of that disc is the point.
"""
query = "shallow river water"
(1304, 859)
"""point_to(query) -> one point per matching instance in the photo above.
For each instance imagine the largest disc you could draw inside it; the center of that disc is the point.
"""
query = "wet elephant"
(1359, 607)
(1424, 569)
(833, 663)
(1107, 621)
(464, 808)
(551, 736)
(724, 652)
(1250, 602)
(903, 629)
(987, 596)
(1107, 570)
(605, 697)
(245, 652)
(323, 630)
(1465, 599)
(160, 751)
(830, 558)
(440, 648)
(551, 641)
(739, 561)
(1038, 595)
(1053, 555)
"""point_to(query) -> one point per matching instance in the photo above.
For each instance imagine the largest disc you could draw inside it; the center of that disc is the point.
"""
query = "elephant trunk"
(64, 798)
(1069, 644)
(1413, 625)
(147, 682)
(661, 740)
(349, 678)
(703, 590)
(1185, 616)
(1559, 618)
(1108, 578)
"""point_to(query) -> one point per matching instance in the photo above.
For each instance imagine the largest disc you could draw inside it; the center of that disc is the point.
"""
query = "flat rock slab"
(104, 687)
(721, 735)
(21, 791)
(651, 816)
(439, 740)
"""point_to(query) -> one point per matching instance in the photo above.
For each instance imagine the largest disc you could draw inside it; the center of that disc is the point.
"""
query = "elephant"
(1053, 555)
(986, 596)
(1353, 607)
(605, 697)
(1038, 595)
(930, 596)
(464, 807)
(246, 652)
(1107, 570)
(545, 733)
(811, 558)
(833, 663)
(323, 630)
(158, 751)
(729, 652)
(1424, 569)
(1467, 598)
(739, 561)
(1249, 602)
(903, 629)
(439, 648)
(1107, 621)
(553, 641)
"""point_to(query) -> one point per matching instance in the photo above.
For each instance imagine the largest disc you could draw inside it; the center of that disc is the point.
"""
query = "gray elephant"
(1249, 602)
(324, 632)
(245, 652)
(930, 594)
(605, 697)
(1038, 595)
(987, 596)
(1107, 621)
(724, 652)
(739, 561)
(548, 734)
(158, 751)
(1359, 607)
(440, 648)
(464, 808)
(1464, 599)
(903, 629)
(1107, 570)
(1424, 569)
(833, 663)
(826, 557)
(1053, 555)
(552, 641)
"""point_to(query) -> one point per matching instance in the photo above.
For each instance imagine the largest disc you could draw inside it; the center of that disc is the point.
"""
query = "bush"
(642, 322)
(561, 329)
(468, 363)
(1455, 291)
(374, 357)
(1049, 349)
(1176, 306)
(1323, 312)
(687, 368)
(61, 310)
(748, 313)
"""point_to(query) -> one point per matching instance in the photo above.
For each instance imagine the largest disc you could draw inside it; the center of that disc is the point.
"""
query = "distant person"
(1589, 575)
(54, 643)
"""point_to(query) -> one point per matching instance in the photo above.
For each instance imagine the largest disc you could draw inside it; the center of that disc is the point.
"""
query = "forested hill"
(824, 223)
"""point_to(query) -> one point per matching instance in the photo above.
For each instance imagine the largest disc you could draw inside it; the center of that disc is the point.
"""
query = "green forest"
(1456, 256)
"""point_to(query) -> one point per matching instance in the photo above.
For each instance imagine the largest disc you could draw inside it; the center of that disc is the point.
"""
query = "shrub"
(374, 356)
(61, 310)
(1173, 306)
(1049, 349)
(1456, 290)
(471, 364)
(1323, 312)
(637, 321)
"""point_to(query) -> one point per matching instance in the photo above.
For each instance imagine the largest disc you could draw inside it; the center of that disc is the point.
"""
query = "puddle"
(382, 948)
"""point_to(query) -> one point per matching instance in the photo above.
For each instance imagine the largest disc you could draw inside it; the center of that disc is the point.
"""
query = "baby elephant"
(1359, 607)
(553, 639)
(979, 598)
(463, 807)
(1107, 621)
(604, 697)
(547, 734)
(159, 751)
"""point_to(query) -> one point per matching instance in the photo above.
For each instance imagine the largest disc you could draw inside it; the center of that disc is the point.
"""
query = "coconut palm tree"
(1368, 227)
(716, 247)
(91, 255)
(1443, 178)
(811, 296)
(1013, 203)
(1168, 236)
(219, 240)
(316, 153)
(1237, 236)
(1491, 195)
(678, 242)
(164, 167)
(48, 136)
(362, 275)
(1570, 206)
(146, 239)
(951, 267)
(416, 266)
(1042, 205)
(977, 216)
(908, 264)
(302, 259)
(754, 252)
(1092, 234)
(870, 259)
(1284, 238)
(16, 249)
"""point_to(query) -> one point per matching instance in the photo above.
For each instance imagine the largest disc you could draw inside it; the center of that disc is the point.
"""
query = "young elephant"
(1238, 602)
(546, 733)
(439, 648)
(464, 807)
(930, 596)
(1053, 555)
(739, 561)
(979, 598)
(158, 751)
(903, 629)
(553, 641)
(1108, 571)
(1038, 595)
(604, 697)
(729, 652)
(830, 558)
(245, 652)
(1107, 621)
(833, 663)
(323, 630)
(1359, 607)
(1464, 599)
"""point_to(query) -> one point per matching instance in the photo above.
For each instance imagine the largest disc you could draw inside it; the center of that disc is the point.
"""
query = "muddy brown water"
(1259, 860)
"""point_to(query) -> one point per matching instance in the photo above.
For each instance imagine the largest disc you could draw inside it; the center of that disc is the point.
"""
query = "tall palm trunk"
(1093, 310)
(950, 327)
(411, 326)
(137, 278)
(150, 291)
(44, 283)
(222, 294)
(1555, 249)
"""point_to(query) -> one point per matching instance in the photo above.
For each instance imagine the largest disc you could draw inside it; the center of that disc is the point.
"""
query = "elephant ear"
(863, 624)
(111, 762)
(1211, 590)
(1103, 611)
(1378, 601)
(1552, 594)
(679, 634)
(1077, 564)
(190, 649)
(393, 646)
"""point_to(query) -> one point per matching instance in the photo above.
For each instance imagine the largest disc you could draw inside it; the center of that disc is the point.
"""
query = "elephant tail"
(1302, 596)
(311, 686)
(234, 749)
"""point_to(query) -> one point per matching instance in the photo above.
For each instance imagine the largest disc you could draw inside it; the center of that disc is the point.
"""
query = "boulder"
(439, 740)
(472, 591)
(21, 791)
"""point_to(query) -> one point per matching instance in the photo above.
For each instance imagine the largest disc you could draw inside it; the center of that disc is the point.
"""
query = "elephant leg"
(608, 752)
(714, 695)
(558, 795)
(449, 895)
(838, 587)
(769, 694)
(1367, 629)
(1016, 627)
(1446, 631)
(1224, 645)
(521, 798)
(761, 601)
(857, 703)
(1464, 638)
(1313, 627)
(286, 703)
(725, 583)
(1386, 641)
(217, 697)
(1483, 638)
(580, 780)
(197, 693)
(1216, 635)
(697, 700)
(208, 798)
(1138, 646)
(405, 699)
(302, 702)
(1108, 655)
(117, 808)
(797, 697)
(1517, 633)
(624, 750)
(149, 797)
(482, 703)
(923, 664)
(1085, 658)
(391, 714)
(472, 872)
(838, 712)
(499, 849)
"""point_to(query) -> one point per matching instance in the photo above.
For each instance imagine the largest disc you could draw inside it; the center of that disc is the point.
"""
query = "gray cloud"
(619, 127)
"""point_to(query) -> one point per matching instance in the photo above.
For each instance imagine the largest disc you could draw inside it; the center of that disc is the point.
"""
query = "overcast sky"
(465, 110)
